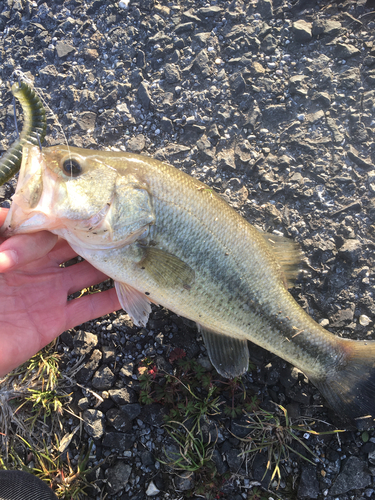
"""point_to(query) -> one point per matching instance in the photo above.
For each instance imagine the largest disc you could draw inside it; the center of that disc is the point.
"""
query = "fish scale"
(166, 238)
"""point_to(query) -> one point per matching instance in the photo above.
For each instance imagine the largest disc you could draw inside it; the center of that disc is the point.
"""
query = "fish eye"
(72, 167)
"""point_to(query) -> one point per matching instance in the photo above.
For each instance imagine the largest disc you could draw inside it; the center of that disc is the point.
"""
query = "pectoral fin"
(135, 303)
(166, 269)
(229, 356)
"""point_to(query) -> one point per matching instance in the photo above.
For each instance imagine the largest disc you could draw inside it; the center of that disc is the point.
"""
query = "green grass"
(34, 399)
(274, 433)
(66, 480)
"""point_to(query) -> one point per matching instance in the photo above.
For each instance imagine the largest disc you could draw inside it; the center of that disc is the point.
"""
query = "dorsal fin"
(288, 254)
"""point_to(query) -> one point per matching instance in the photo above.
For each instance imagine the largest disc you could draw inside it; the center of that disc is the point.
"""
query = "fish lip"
(30, 206)
(16, 222)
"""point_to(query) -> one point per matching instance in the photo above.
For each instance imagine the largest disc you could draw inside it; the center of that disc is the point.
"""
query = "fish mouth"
(31, 204)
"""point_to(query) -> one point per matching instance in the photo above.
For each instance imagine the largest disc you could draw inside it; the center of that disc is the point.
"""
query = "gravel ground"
(272, 105)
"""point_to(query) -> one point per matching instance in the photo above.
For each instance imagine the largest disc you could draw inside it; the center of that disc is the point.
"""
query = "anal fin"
(229, 356)
(134, 302)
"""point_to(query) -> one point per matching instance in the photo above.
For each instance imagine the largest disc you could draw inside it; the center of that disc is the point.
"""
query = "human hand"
(34, 290)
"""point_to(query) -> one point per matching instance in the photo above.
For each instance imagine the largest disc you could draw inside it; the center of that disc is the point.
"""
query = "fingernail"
(8, 259)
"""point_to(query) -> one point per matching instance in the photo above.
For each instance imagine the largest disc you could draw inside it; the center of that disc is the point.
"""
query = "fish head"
(79, 195)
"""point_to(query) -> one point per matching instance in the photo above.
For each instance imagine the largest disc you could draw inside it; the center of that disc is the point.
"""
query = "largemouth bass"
(166, 238)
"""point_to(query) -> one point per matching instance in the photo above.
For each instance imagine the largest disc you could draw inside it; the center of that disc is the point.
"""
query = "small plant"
(194, 453)
(274, 433)
(36, 387)
(67, 481)
(240, 401)
(192, 390)
(257, 494)
(45, 367)
(41, 379)
(45, 403)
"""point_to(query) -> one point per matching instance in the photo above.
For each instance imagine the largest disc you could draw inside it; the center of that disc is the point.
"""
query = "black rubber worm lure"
(33, 130)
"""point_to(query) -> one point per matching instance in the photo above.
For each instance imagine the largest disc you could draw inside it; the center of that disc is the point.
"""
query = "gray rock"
(309, 484)
(350, 78)
(122, 418)
(210, 11)
(323, 98)
(336, 134)
(103, 378)
(127, 368)
(137, 143)
(314, 117)
(354, 475)
(326, 27)
(346, 50)
(265, 8)
(84, 342)
(152, 490)
(205, 149)
(234, 459)
(141, 59)
(225, 159)
(369, 61)
(153, 414)
(85, 373)
(144, 96)
(302, 31)
(136, 77)
(274, 114)
(94, 423)
(117, 477)
(201, 63)
(166, 125)
(269, 44)
(297, 393)
(240, 427)
(294, 410)
(118, 441)
(86, 121)
(109, 354)
(289, 376)
(271, 373)
(220, 465)
(123, 396)
(184, 28)
(83, 403)
(184, 481)
(237, 84)
(147, 458)
(351, 250)
(172, 73)
(355, 157)
(63, 49)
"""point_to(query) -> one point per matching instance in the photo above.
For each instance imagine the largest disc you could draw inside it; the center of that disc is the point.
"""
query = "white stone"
(152, 490)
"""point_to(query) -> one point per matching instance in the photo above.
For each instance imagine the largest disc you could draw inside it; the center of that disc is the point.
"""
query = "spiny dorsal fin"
(166, 269)
(229, 356)
(288, 254)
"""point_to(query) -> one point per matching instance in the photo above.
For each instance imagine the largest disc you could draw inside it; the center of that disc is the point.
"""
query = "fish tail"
(350, 388)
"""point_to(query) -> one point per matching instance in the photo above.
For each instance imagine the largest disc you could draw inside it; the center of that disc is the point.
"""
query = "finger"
(89, 307)
(81, 276)
(22, 249)
(3, 214)
(62, 252)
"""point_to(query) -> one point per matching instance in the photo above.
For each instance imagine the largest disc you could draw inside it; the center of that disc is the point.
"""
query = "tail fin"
(350, 388)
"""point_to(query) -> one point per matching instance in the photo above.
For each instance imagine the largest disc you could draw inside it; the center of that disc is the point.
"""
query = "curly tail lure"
(33, 131)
